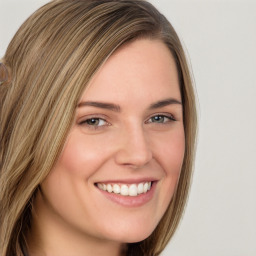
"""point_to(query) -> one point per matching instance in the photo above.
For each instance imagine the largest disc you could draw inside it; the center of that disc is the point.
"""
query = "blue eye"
(161, 119)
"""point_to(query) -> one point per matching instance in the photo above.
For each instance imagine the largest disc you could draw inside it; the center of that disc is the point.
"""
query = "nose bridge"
(134, 149)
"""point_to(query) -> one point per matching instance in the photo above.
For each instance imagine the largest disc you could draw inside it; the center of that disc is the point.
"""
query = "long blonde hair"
(50, 61)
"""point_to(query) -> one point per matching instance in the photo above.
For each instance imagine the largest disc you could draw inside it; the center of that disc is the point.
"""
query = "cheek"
(175, 150)
(170, 155)
(169, 151)
(80, 156)
(67, 189)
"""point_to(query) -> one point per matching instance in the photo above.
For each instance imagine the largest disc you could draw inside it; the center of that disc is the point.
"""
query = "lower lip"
(131, 201)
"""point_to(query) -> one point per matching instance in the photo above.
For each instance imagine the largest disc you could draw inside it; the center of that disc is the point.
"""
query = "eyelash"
(170, 118)
(167, 119)
(96, 119)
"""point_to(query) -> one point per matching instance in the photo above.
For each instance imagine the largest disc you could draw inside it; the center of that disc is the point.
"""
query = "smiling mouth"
(126, 189)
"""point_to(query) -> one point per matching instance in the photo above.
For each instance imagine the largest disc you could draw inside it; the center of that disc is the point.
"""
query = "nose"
(134, 148)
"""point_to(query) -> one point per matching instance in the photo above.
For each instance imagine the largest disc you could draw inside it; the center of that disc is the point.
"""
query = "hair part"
(51, 59)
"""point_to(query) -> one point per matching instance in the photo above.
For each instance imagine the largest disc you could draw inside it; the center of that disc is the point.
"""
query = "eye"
(161, 119)
(94, 122)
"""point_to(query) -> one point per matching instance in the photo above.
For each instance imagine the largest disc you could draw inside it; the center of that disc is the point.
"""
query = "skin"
(133, 141)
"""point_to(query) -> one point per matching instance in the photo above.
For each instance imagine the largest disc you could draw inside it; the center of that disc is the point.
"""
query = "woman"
(98, 128)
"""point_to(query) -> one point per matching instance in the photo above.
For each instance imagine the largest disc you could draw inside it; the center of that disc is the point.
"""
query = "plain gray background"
(220, 40)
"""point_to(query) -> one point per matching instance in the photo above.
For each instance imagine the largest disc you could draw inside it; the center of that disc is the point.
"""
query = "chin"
(132, 235)
(137, 238)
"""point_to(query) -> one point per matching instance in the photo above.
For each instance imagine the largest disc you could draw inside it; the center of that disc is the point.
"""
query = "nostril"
(133, 159)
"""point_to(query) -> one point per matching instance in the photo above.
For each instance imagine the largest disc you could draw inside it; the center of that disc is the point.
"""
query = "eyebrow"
(104, 105)
(117, 108)
(166, 102)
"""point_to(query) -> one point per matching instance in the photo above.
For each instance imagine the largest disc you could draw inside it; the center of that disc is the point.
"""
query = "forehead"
(142, 69)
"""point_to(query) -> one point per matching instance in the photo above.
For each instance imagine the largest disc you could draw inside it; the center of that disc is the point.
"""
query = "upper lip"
(128, 181)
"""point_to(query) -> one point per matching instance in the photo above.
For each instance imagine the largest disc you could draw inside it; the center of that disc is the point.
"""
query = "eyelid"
(83, 121)
(91, 116)
(170, 116)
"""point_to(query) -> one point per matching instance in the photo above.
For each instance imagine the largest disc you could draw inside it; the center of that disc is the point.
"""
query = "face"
(122, 158)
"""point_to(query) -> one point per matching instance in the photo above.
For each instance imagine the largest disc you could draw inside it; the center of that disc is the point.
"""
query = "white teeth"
(125, 189)
(140, 188)
(100, 186)
(145, 188)
(149, 185)
(109, 188)
(133, 190)
(116, 189)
